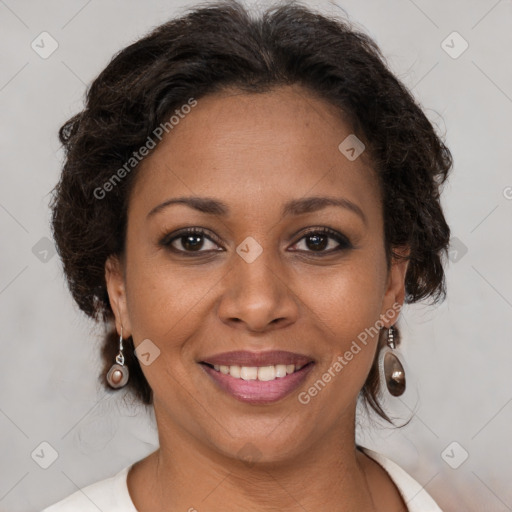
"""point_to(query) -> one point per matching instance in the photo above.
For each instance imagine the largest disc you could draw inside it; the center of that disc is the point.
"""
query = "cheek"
(163, 307)
(347, 305)
(166, 301)
(350, 297)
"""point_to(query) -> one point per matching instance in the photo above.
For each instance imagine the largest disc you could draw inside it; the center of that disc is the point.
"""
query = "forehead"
(255, 151)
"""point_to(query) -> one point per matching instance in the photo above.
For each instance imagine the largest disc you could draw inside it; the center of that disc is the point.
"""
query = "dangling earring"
(118, 374)
(390, 367)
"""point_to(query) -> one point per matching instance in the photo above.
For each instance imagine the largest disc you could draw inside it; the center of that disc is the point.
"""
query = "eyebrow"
(294, 207)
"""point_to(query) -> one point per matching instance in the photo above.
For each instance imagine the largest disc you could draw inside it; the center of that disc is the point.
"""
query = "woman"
(248, 203)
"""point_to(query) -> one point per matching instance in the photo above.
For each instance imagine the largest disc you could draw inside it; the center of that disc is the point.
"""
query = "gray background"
(458, 354)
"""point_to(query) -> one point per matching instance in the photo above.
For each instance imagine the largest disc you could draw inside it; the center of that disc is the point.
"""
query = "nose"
(258, 296)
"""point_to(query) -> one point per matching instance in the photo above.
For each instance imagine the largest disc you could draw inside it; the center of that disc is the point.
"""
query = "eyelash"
(343, 241)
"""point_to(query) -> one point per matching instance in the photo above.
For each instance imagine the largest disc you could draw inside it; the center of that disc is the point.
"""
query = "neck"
(185, 474)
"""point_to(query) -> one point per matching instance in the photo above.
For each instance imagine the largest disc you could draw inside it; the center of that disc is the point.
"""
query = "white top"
(111, 494)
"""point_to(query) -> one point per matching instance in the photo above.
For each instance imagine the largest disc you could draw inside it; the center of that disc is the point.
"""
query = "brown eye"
(319, 240)
(316, 242)
(190, 240)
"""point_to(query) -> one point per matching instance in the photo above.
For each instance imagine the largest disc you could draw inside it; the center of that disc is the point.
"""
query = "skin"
(255, 152)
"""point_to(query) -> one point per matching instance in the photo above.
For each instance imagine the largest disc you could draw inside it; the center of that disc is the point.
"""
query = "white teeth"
(281, 370)
(249, 372)
(262, 373)
(266, 373)
(234, 371)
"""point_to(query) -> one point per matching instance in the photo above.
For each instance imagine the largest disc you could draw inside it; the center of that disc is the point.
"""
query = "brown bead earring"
(390, 367)
(117, 376)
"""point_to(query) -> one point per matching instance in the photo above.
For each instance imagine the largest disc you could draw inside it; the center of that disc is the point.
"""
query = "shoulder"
(108, 495)
(413, 493)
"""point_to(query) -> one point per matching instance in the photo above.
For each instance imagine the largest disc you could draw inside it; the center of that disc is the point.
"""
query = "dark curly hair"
(219, 45)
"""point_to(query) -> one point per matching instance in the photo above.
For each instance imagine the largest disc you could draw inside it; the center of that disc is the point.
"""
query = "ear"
(394, 295)
(116, 288)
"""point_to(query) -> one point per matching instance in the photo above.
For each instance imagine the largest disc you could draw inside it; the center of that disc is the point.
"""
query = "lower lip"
(256, 391)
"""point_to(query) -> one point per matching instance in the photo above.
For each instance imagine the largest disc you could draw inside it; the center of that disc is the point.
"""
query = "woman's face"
(260, 278)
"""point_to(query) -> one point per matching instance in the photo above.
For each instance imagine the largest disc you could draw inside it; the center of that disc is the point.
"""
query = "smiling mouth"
(260, 373)
(258, 385)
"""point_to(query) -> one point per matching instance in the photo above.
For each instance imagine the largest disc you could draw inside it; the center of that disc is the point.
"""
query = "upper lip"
(247, 358)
